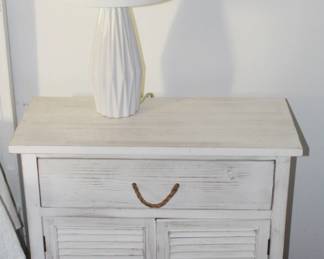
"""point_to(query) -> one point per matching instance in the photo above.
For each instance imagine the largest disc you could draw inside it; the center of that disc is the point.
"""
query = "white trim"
(6, 98)
(7, 112)
(156, 213)
(153, 152)
(35, 228)
(279, 207)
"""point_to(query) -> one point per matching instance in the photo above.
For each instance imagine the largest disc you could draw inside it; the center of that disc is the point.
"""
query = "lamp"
(116, 65)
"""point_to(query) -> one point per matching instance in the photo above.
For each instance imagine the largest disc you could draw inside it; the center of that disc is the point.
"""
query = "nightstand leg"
(280, 199)
(32, 197)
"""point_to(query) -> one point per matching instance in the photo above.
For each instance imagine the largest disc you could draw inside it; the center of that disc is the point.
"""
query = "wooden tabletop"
(213, 126)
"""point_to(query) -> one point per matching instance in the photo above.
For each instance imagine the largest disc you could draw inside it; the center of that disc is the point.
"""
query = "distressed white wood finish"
(213, 239)
(117, 70)
(77, 183)
(156, 213)
(100, 238)
(279, 210)
(34, 220)
(208, 126)
(232, 163)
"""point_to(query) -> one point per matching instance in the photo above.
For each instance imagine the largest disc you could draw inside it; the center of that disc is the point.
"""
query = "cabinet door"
(96, 238)
(216, 239)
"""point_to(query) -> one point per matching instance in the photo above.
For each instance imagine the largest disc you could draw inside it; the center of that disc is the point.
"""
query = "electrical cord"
(148, 95)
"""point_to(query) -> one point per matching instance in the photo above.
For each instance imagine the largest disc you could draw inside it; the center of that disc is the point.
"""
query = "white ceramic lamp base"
(117, 70)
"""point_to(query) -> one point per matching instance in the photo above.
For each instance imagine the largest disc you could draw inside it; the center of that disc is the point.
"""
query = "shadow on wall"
(198, 41)
(293, 170)
(21, 18)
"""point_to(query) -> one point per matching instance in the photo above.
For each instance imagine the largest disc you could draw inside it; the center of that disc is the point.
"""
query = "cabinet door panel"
(239, 239)
(69, 238)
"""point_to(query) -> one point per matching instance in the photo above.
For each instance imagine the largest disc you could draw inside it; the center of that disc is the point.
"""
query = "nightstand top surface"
(211, 126)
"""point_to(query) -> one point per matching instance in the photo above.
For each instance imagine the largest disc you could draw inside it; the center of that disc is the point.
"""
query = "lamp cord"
(146, 96)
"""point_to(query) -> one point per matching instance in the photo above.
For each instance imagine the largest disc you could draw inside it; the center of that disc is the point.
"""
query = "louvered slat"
(212, 244)
(99, 245)
(117, 242)
(218, 239)
(99, 238)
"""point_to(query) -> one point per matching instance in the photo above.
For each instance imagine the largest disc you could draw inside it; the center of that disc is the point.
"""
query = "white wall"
(197, 48)
(7, 118)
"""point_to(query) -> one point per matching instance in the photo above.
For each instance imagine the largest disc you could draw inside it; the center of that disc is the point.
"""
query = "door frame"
(8, 120)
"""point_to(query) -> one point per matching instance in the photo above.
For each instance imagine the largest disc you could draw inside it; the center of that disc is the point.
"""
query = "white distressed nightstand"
(215, 172)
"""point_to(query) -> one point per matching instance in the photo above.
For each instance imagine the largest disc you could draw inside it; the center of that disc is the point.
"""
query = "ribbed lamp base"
(117, 70)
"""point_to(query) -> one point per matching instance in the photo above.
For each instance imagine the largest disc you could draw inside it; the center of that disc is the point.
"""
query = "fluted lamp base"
(117, 66)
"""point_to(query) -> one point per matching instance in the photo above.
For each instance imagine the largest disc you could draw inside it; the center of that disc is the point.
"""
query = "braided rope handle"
(158, 205)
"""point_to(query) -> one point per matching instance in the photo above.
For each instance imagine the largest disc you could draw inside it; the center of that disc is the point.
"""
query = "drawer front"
(103, 183)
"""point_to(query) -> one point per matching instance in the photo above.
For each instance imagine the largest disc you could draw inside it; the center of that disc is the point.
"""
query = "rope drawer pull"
(152, 205)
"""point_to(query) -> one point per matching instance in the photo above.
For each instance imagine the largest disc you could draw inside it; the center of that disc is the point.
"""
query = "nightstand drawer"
(173, 184)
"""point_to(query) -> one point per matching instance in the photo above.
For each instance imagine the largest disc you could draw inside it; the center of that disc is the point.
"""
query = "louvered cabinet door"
(217, 239)
(89, 238)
